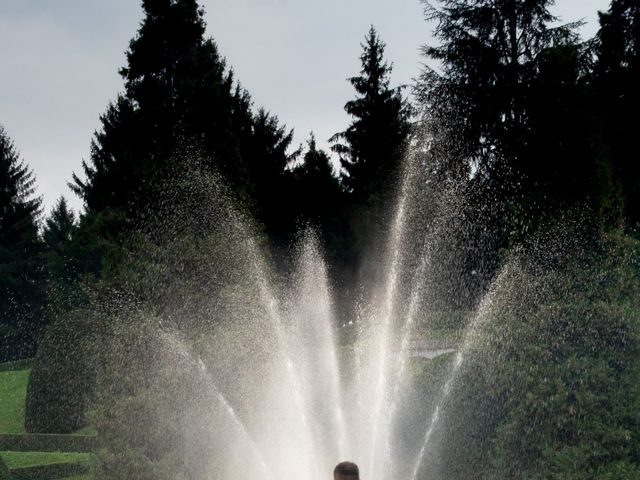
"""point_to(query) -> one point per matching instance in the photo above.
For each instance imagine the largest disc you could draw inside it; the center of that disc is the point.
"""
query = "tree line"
(532, 119)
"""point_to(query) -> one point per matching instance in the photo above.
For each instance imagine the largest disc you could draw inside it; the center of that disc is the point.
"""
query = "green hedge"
(61, 378)
(48, 443)
(50, 472)
(4, 471)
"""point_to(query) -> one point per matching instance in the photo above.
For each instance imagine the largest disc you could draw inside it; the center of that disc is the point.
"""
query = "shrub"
(563, 360)
(61, 377)
(47, 443)
(4, 471)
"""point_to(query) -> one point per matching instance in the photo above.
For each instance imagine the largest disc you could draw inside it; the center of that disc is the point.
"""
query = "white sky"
(60, 61)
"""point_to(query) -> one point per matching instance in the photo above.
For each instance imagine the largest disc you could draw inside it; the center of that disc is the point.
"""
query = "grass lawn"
(13, 392)
(30, 459)
(88, 430)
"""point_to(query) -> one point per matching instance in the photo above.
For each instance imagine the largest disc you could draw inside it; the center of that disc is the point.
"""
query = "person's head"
(346, 471)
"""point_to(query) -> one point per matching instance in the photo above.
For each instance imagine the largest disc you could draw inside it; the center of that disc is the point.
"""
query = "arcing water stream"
(298, 396)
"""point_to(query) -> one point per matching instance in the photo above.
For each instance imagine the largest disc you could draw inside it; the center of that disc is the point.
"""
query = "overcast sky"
(60, 61)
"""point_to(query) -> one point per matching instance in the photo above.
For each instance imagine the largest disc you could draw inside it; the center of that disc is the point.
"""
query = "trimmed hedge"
(4, 471)
(48, 443)
(50, 472)
(61, 378)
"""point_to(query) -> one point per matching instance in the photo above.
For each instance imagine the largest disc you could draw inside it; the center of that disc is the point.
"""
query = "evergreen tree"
(319, 199)
(21, 292)
(59, 226)
(370, 152)
(511, 111)
(319, 188)
(176, 89)
(561, 164)
(181, 97)
(372, 147)
(617, 76)
(487, 52)
(269, 183)
(61, 255)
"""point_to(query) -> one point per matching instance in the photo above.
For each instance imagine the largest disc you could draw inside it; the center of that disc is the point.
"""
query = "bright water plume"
(259, 377)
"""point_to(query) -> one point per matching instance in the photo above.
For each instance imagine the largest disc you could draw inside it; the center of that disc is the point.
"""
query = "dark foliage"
(58, 236)
(320, 201)
(269, 182)
(5, 474)
(62, 376)
(21, 291)
(513, 108)
(548, 387)
(371, 151)
(372, 147)
(565, 376)
(616, 80)
(179, 93)
(487, 51)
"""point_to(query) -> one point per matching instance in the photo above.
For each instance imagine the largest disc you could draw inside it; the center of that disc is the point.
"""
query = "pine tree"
(509, 118)
(270, 185)
(372, 147)
(321, 203)
(512, 112)
(487, 52)
(59, 226)
(617, 76)
(176, 88)
(179, 97)
(370, 153)
(60, 255)
(319, 192)
(21, 290)
(61, 258)
(316, 173)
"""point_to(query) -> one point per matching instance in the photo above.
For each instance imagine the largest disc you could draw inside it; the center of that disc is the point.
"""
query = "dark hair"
(347, 469)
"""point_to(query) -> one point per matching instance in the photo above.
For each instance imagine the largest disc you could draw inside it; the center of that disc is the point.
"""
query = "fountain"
(252, 376)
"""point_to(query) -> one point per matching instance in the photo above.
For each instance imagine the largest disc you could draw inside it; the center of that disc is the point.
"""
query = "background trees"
(524, 119)
(513, 100)
(21, 293)
(61, 258)
(616, 77)
(564, 377)
(172, 79)
(372, 147)
(522, 114)
(370, 151)
(486, 51)
(320, 196)
(182, 101)
(535, 132)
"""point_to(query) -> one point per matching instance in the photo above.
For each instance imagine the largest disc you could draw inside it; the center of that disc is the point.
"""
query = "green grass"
(24, 364)
(30, 459)
(13, 393)
(88, 430)
(440, 334)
